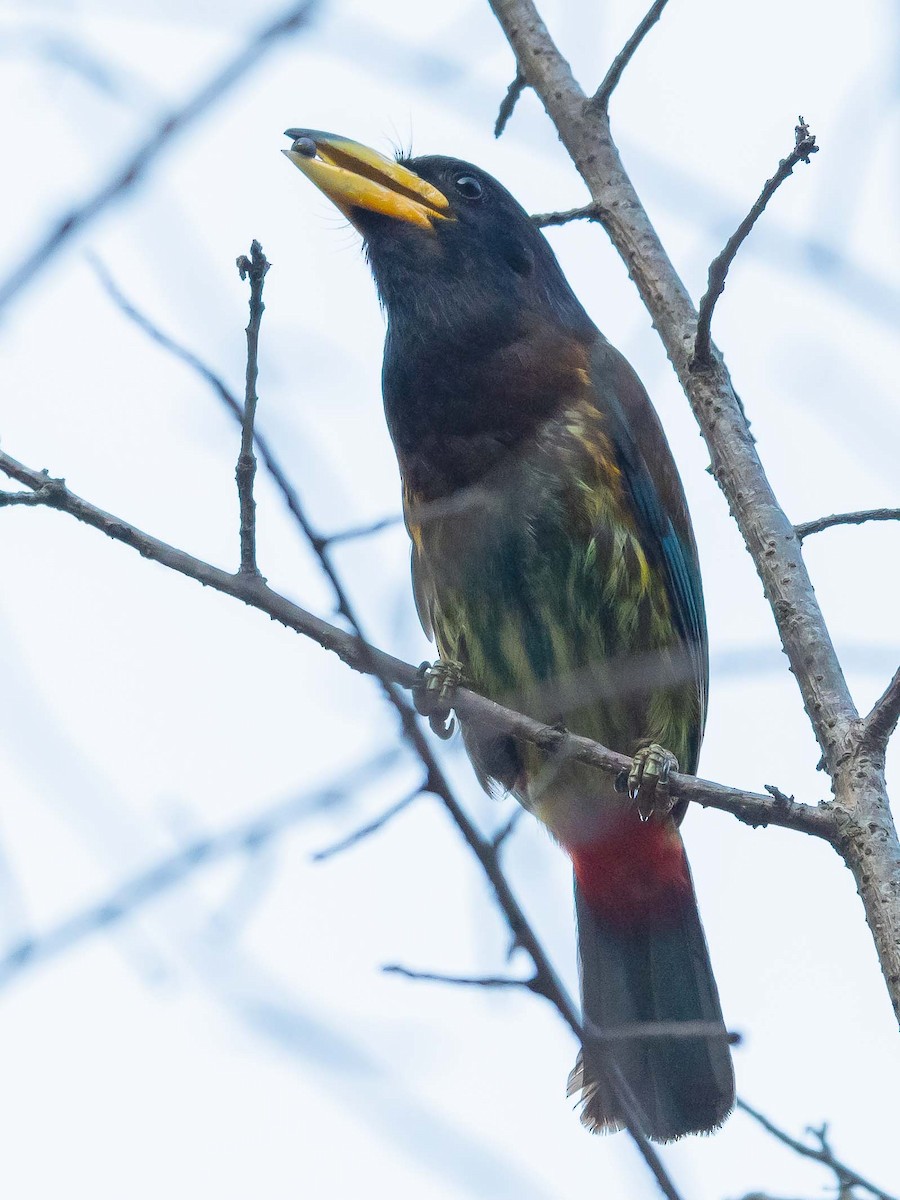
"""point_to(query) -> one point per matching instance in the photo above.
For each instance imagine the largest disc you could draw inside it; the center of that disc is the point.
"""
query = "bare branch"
(846, 1176)
(509, 102)
(364, 831)
(805, 145)
(749, 807)
(254, 268)
(362, 531)
(851, 518)
(487, 981)
(610, 81)
(169, 344)
(140, 160)
(882, 720)
(72, 55)
(173, 870)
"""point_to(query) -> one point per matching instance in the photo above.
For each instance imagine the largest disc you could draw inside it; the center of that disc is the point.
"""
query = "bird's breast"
(459, 405)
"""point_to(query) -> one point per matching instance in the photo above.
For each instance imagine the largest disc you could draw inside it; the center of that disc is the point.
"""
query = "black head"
(451, 250)
(485, 262)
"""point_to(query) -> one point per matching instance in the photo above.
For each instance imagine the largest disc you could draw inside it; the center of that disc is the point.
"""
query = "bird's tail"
(639, 966)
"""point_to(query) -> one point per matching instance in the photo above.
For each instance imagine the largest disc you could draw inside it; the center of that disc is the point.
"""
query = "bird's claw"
(433, 695)
(648, 780)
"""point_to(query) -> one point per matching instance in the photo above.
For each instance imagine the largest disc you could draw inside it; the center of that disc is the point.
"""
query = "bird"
(555, 566)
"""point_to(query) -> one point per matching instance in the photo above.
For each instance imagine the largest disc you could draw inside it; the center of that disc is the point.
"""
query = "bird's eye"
(468, 186)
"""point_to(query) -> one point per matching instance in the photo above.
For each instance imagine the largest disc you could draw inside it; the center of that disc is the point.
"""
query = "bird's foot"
(648, 780)
(433, 695)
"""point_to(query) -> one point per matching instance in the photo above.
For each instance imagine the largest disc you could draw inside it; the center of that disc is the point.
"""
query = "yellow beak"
(353, 176)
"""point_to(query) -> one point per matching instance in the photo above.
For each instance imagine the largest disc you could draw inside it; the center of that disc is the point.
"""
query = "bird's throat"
(459, 403)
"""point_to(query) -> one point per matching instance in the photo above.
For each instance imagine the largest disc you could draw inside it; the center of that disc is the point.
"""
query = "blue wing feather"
(659, 505)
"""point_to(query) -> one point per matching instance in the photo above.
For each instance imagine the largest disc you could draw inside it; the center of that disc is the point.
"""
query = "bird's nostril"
(305, 146)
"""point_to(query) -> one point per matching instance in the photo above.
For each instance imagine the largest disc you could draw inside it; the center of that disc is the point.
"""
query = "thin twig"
(364, 831)
(806, 528)
(635, 1121)
(486, 981)
(176, 349)
(174, 869)
(587, 212)
(254, 268)
(846, 1176)
(74, 56)
(777, 794)
(601, 97)
(501, 836)
(190, 359)
(362, 531)
(882, 720)
(136, 165)
(804, 146)
(509, 102)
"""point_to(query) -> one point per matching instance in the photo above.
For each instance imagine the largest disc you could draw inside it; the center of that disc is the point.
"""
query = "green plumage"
(540, 588)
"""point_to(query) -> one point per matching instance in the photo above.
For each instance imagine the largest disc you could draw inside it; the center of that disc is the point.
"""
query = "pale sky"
(237, 1037)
